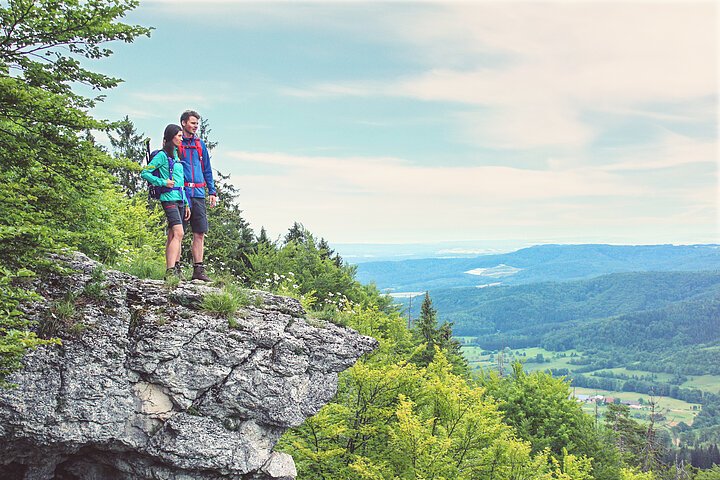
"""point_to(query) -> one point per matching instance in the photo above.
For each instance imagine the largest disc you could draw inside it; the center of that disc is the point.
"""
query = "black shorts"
(198, 215)
(174, 211)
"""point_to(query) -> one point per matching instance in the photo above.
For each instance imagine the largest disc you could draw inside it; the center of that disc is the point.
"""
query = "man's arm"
(208, 176)
(207, 171)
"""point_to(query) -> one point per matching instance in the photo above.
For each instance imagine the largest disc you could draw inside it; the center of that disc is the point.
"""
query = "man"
(198, 176)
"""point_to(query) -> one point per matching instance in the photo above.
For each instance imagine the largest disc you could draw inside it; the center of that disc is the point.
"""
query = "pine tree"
(329, 253)
(128, 145)
(231, 239)
(427, 323)
(629, 436)
(433, 336)
(714, 454)
(296, 233)
(204, 134)
(452, 349)
(263, 238)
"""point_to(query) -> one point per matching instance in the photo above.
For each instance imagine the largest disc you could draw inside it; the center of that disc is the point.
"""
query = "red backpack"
(198, 147)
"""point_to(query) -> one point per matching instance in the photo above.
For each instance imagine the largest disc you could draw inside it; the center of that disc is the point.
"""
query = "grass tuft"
(224, 303)
(144, 264)
(172, 281)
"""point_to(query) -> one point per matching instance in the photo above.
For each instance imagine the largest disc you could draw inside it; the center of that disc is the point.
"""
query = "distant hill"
(540, 263)
(653, 306)
(666, 321)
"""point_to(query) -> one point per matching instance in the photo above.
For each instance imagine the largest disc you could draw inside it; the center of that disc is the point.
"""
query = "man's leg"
(198, 246)
(198, 220)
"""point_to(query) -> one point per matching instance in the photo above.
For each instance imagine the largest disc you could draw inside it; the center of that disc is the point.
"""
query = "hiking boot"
(178, 272)
(169, 273)
(199, 273)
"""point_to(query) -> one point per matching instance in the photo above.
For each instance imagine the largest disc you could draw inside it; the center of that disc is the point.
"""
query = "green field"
(673, 410)
(478, 358)
(660, 377)
(706, 383)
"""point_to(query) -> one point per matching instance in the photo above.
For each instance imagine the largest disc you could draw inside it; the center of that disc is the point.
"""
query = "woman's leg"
(172, 247)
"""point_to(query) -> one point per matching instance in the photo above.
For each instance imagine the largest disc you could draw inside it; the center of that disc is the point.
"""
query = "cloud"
(522, 127)
(165, 98)
(391, 177)
(553, 83)
(390, 199)
(533, 70)
(134, 113)
(670, 152)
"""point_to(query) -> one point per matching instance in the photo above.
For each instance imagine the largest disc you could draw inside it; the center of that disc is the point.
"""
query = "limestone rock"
(147, 385)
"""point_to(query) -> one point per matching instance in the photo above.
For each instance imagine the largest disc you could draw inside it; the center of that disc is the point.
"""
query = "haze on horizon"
(409, 122)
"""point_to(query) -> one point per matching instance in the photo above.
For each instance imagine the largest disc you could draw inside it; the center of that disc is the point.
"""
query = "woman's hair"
(170, 132)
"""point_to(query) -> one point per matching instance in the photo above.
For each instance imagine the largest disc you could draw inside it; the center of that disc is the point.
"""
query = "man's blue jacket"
(198, 175)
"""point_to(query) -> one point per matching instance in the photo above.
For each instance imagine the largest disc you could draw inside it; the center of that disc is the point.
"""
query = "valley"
(632, 324)
(672, 411)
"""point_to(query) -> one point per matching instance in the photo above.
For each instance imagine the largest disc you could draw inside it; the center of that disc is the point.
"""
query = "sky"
(407, 122)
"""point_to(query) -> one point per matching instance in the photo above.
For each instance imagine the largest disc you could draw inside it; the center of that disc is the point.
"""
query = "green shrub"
(77, 329)
(96, 288)
(60, 318)
(172, 281)
(56, 190)
(145, 263)
(226, 302)
(240, 294)
(98, 275)
(15, 336)
(222, 303)
(223, 280)
(95, 291)
(65, 308)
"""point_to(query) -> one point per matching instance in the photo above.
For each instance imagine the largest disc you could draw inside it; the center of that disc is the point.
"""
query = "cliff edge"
(147, 385)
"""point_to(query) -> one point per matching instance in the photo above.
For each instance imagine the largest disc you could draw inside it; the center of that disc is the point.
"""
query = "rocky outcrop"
(147, 385)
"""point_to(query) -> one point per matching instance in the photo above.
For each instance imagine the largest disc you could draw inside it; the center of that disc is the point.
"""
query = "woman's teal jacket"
(160, 162)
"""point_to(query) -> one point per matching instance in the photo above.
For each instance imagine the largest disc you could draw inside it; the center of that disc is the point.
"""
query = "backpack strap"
(197, 146)
(171, 165)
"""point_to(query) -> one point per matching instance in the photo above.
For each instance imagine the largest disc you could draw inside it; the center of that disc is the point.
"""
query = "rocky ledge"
(145, 385)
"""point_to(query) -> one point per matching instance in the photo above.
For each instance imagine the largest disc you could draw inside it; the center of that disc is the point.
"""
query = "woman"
(170, 173)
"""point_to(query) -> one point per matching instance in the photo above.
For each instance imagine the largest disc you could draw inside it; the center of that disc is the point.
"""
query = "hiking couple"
(182, 171)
